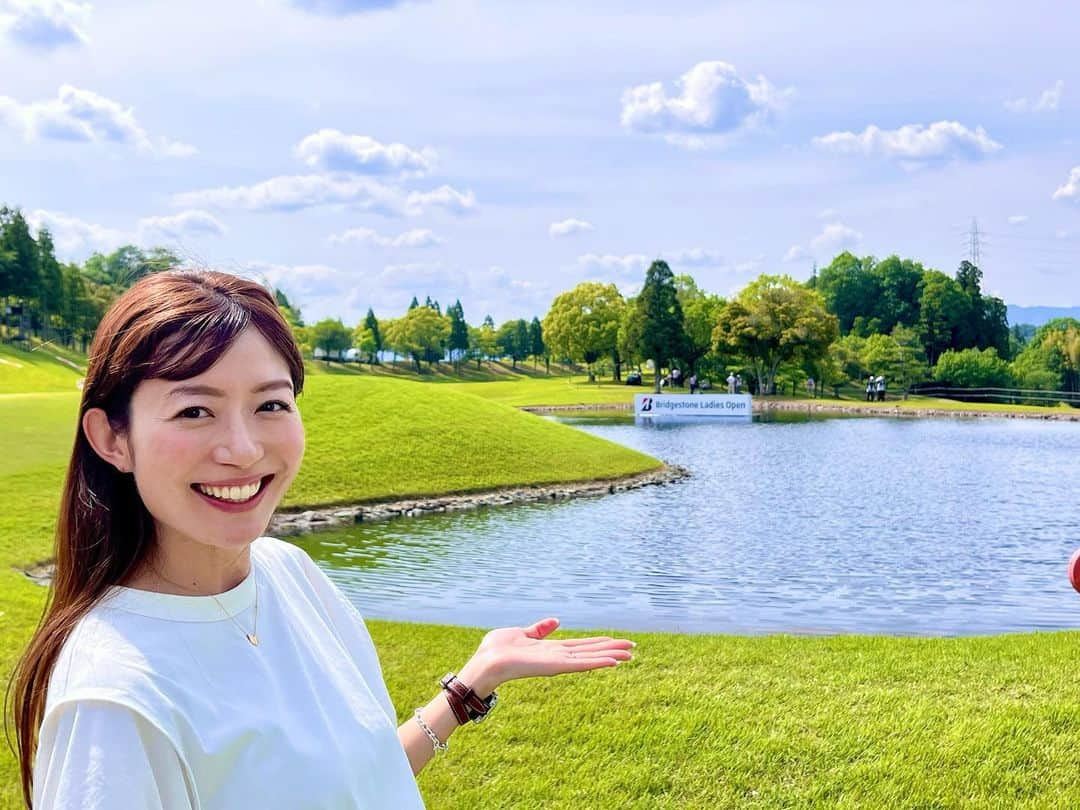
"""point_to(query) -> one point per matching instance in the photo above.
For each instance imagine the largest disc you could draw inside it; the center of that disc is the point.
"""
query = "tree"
(1060, 339)
(944, 314)
(20, 259)
(1036, 367)
(973, 368)
(513, 340)
(775, 320)
(898, 356)
(421, 334)
(537, 349)
(50, 291)
(661, 335)
(332, 337)
(701, 311)
(371, 324)
(364, 341)
(898, 302)
(458, 342)
(850, 290)
(414, 304)
(583, 323)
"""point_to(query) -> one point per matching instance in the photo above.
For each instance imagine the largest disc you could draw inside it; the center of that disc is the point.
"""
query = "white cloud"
(1047, 101)
(415, 238)
(82, 115)
(295, 192)
(1070, 190)
(695, 257)
(185, 224)
(913, 144)
(444, 197)
(334, 151)
(796, 253)
(75, 237)
(835, 238)
(569, 227)
(1018, 219)
(828, 213)
(343, 8)
(45, 24)
(713, 101)
(631, 264)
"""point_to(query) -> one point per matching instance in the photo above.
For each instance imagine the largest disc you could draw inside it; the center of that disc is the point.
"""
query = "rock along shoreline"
(287, 524)
(284, 524)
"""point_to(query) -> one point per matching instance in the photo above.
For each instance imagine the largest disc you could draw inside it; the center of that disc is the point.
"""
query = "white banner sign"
(692, 406)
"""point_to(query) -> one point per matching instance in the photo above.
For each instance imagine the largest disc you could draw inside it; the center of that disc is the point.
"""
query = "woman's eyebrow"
(217, 392)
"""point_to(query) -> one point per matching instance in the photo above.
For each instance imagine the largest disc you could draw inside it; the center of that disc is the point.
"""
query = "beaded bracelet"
(436, 743)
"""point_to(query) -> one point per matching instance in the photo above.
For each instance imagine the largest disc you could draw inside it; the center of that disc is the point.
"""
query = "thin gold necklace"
(253, 635)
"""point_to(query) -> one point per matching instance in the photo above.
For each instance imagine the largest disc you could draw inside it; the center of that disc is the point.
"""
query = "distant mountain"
(1037, 316)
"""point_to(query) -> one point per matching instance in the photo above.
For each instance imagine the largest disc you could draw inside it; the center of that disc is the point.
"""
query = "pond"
(874, 525)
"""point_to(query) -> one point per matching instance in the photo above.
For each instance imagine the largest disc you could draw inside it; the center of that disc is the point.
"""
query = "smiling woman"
(184, 660)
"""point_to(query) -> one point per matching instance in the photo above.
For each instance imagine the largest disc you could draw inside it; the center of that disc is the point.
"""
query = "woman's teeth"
(232, 493)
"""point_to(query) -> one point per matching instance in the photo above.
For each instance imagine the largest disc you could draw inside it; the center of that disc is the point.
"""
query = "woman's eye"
(193, 411)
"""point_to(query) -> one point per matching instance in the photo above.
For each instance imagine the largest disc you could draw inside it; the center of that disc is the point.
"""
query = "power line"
(973, 242)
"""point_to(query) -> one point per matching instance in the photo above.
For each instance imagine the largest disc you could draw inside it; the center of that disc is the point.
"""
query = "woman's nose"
(239, 446)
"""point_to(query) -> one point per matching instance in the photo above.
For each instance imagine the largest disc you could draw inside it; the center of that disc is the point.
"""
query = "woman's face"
(200, 454)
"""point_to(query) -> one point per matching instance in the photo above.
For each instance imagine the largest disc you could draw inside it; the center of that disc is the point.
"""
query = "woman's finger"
(542, 628)
(622, 655)
(573, 642)
(605, 644)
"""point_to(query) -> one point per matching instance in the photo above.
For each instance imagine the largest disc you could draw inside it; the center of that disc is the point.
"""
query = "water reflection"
(790, 524)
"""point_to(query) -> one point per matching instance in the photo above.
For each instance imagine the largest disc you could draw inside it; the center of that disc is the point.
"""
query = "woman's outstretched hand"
(524, 652)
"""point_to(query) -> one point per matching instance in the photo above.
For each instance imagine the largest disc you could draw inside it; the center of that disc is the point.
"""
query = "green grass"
(773, 721)
(36, 371)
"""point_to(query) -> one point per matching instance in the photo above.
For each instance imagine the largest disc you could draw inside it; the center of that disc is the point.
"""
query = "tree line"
(857, 316)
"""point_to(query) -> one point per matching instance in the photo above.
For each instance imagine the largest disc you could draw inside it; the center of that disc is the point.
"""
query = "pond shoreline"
(288, 524)
(823, 406)
(285, 524)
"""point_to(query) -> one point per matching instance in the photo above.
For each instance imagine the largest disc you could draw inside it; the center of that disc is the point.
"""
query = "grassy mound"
(370, 438)
(42, 368)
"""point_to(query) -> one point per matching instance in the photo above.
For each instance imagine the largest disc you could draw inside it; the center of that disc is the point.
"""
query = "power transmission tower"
(973, 242)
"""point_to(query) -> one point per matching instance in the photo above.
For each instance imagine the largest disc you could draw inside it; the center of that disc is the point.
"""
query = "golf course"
(694, 721)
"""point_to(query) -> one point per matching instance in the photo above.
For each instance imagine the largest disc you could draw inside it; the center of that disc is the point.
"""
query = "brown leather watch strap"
(457, 706)
(464, 700)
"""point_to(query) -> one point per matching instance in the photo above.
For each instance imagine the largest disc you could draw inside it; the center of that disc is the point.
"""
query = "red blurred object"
(1074, 569)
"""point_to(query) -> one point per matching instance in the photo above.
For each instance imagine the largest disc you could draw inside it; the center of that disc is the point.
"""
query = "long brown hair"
(171, 325)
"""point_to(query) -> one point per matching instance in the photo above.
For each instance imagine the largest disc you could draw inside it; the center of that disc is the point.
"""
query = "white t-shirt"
(158, 701)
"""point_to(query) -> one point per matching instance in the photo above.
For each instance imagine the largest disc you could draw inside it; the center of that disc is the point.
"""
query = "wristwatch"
(464, 702)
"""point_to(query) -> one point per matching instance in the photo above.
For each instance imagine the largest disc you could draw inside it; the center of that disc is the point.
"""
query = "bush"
(973, 368)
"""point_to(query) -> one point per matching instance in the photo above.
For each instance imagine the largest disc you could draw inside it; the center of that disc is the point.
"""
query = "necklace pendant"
(254, 639)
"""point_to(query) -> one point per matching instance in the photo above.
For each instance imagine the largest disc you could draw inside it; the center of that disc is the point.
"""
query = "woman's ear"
(108, 443)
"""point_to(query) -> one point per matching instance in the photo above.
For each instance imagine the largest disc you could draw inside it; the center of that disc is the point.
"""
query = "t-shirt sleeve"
(99, 754)
(353, 632)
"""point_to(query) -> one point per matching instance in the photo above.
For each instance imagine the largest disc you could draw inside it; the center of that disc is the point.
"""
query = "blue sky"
(358, 153)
